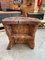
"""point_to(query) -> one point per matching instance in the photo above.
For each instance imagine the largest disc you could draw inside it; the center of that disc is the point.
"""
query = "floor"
(21, 51)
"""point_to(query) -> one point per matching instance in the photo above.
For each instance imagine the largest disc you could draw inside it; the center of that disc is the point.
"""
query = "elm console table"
(21, 30)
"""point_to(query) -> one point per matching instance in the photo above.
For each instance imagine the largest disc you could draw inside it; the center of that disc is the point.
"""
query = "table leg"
(11, 39)
(31, 43)
(11, 43)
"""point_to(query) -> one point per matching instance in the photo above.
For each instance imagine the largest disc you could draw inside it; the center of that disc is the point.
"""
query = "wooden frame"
(21, 30)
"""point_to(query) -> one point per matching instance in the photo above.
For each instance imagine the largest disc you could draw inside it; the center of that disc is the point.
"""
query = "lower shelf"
(21, 38)
(24, 36)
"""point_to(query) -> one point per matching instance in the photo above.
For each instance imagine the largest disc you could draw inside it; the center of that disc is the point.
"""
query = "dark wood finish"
(21, 30)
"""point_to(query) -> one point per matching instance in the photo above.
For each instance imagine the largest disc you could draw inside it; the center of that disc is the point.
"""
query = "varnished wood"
(21, 30)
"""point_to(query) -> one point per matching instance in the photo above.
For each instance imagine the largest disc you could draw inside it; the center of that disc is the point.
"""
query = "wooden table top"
(20, 20)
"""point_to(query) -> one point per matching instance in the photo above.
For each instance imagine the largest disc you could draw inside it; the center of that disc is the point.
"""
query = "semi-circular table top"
(21, 20)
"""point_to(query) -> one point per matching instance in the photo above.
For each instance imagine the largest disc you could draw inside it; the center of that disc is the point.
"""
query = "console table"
(21, 30)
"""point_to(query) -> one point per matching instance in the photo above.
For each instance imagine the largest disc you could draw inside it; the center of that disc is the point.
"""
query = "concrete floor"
(21, 51)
